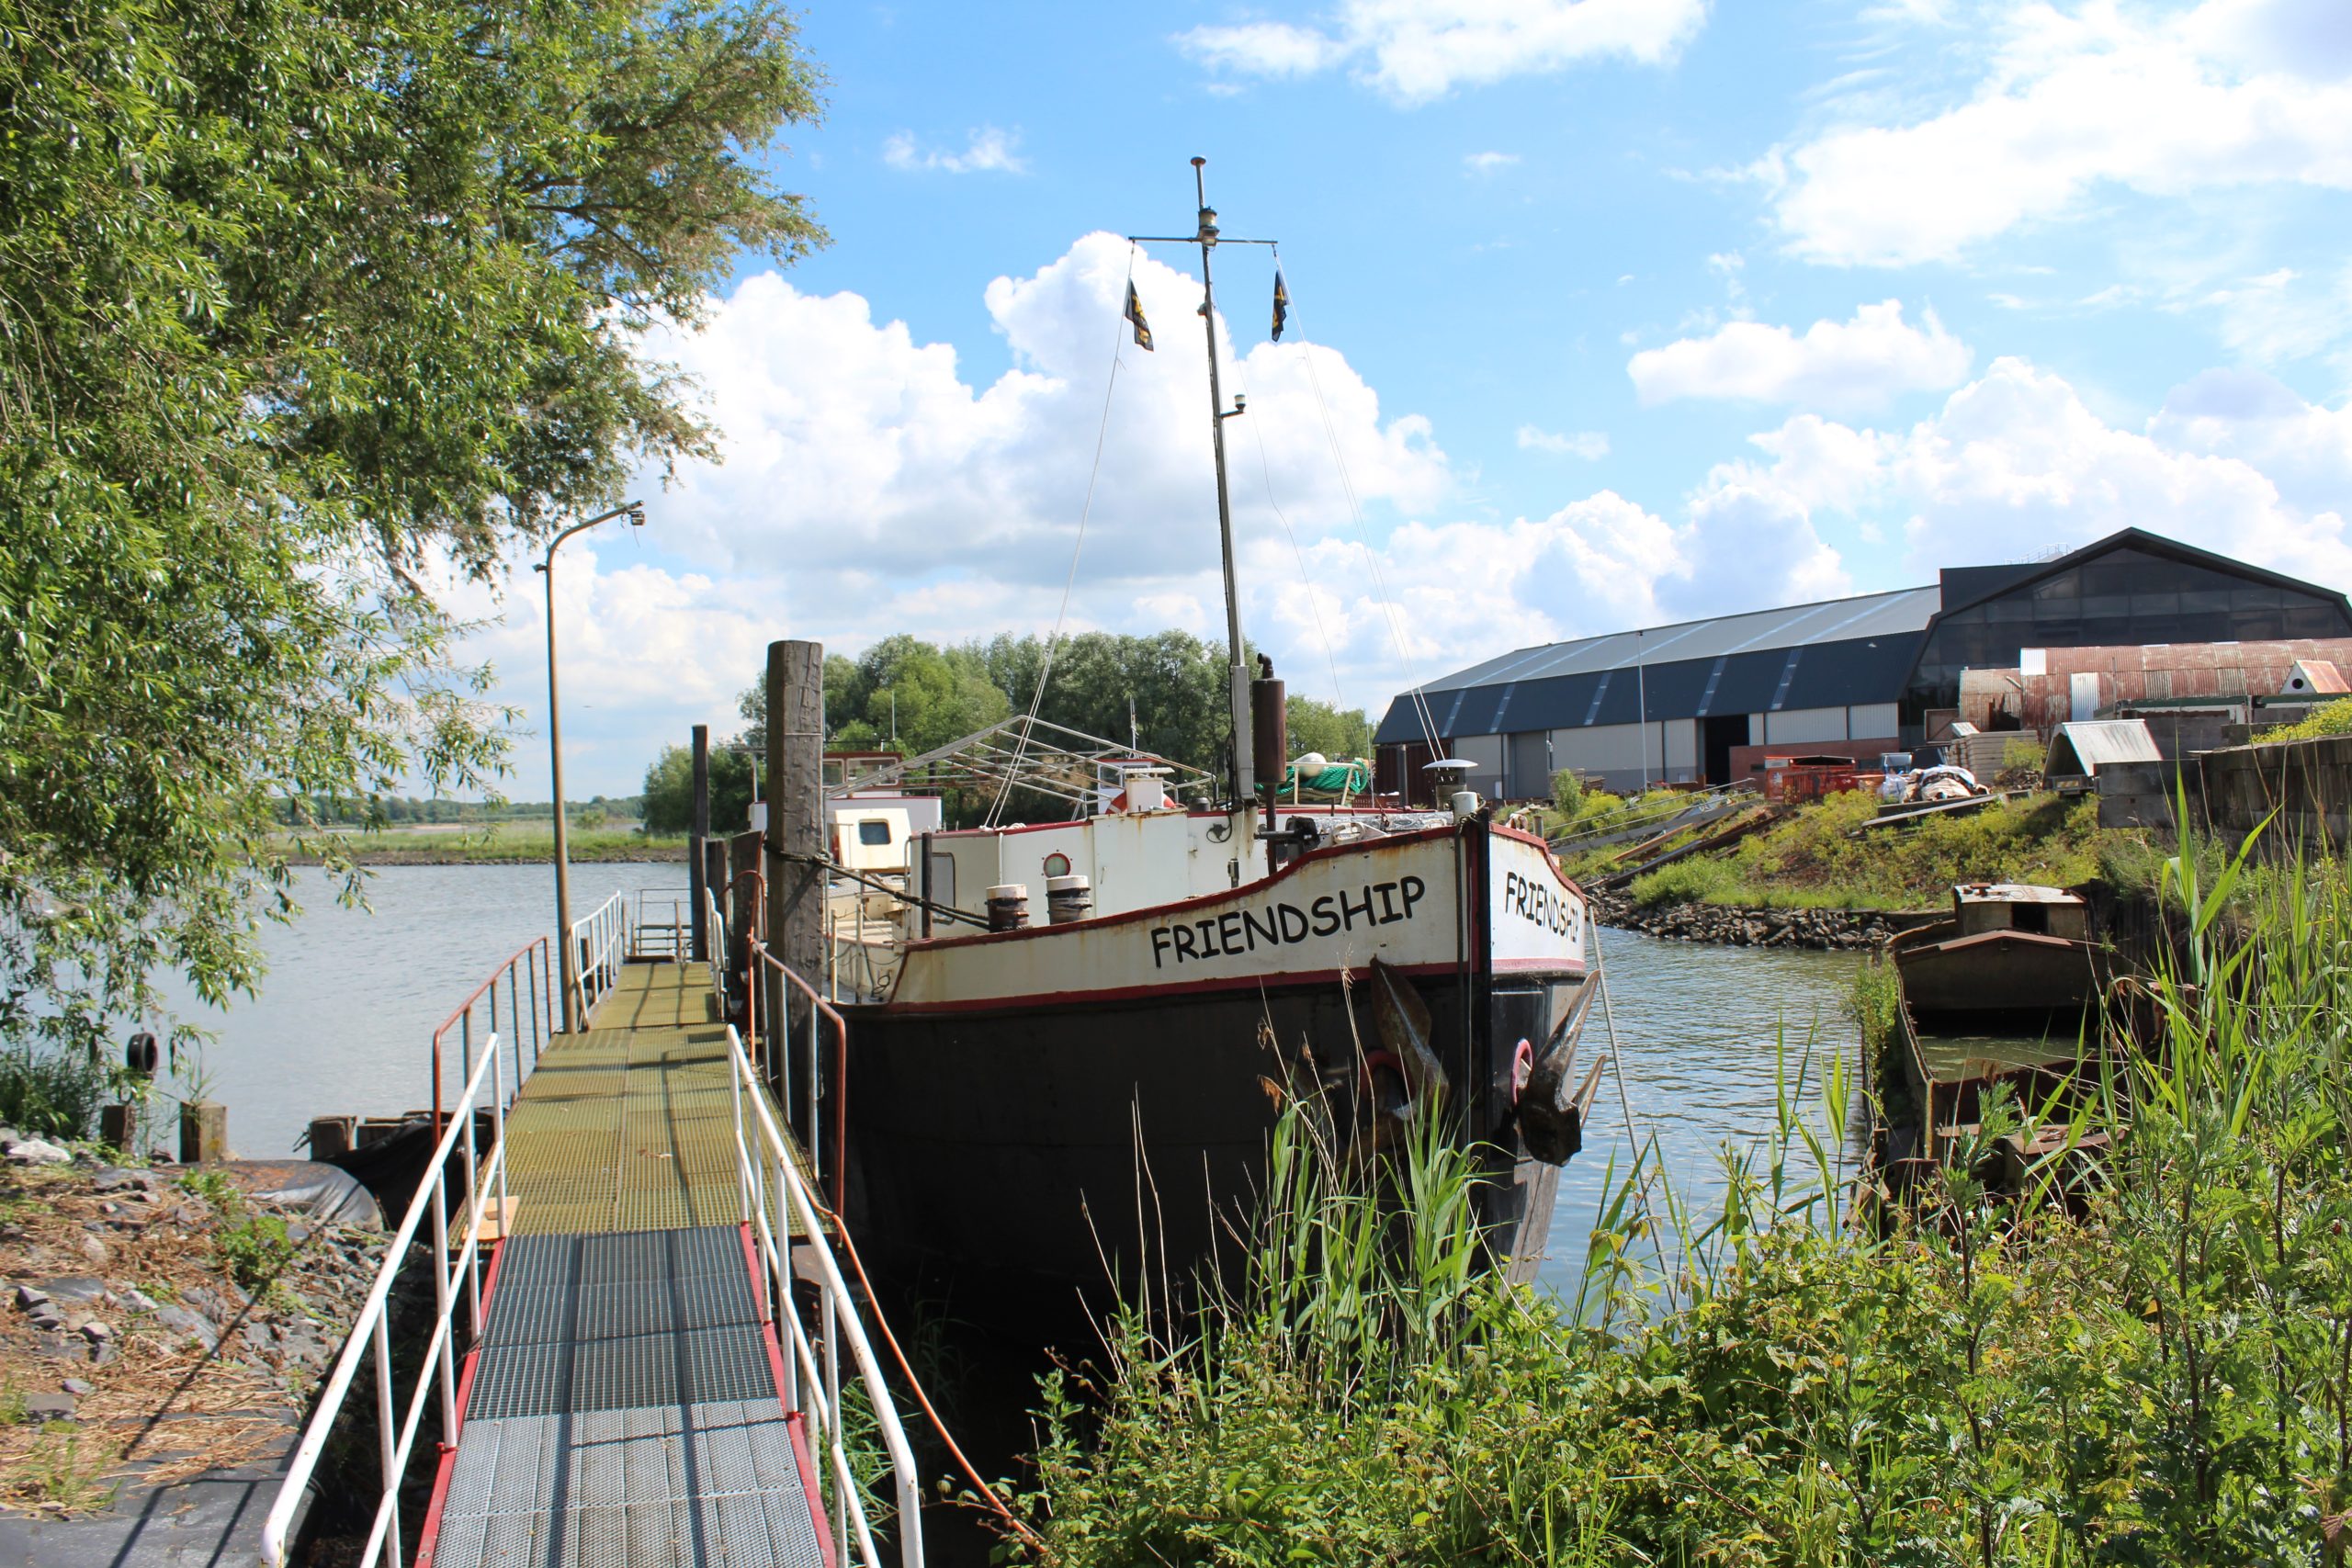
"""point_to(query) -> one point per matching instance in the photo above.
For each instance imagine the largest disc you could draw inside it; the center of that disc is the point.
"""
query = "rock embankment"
(157, 1323)
(1846, 930)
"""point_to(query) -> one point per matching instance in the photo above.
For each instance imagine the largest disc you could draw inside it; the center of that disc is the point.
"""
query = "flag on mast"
(1135, 314)
(1282, 304)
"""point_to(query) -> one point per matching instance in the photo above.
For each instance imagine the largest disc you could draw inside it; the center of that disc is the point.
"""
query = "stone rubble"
(1842, 929)
(149, 1290)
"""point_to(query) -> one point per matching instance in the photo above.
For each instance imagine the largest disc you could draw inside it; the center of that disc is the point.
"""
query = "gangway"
(641, 1337)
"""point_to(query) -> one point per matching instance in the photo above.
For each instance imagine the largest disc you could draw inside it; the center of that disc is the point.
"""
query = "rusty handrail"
(532, 956)
(818, 1007)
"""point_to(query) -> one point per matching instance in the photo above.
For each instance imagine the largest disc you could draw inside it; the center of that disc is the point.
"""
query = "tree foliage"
(1336, 732)
(1170, 684)
(669, 802)
(300, 299)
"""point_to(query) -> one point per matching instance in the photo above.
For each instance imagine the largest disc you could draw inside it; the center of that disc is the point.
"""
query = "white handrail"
(714, 929)
(604, 931)
(677, 903)
(812, 1382)
(372, 1329)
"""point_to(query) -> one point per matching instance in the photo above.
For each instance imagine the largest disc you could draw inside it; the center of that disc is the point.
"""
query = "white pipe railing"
(774, 1197)
(714, 930)
(371, 1332)
(599, 946)
(663, 917)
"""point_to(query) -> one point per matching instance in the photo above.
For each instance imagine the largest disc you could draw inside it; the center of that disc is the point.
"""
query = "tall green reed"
(2135, 1348)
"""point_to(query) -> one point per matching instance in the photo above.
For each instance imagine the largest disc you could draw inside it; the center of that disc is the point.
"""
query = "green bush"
(1874, 1002)
(1568, 793)
(50, 1092)
(1697, 879)
(2329, 719)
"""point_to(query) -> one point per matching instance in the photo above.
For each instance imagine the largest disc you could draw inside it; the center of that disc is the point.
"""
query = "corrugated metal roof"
(1795, 625)
(2085, 746)
(1826, 655)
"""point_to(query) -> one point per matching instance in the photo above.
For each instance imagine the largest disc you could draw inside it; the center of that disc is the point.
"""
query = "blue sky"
(1621, 311)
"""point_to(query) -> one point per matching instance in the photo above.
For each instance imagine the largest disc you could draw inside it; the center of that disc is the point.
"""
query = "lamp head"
(636, 515)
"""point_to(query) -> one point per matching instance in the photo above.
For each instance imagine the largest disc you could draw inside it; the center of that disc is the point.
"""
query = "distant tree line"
(1165, 692)
(406, 811)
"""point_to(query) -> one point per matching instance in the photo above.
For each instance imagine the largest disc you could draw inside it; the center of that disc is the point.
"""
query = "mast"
(1244, 773)
(1245, 782)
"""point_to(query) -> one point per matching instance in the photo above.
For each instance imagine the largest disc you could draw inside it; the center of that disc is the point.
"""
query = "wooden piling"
(699, 829)
(795, 834)
(204, 1132)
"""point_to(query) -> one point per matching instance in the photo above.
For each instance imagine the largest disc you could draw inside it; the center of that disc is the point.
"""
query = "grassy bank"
(508, 843)
(1811, 859)
(2161, 1376)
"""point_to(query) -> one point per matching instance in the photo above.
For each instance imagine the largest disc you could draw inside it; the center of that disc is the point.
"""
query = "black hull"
(1024, 1158)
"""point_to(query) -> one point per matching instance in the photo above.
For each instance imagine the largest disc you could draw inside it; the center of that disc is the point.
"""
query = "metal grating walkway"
(624, 1412)
(629, 1126)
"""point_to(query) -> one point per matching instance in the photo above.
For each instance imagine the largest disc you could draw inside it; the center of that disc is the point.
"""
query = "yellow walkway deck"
(629, 1126)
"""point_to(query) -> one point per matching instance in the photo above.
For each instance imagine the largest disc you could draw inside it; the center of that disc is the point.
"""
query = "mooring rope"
(1625, 1108)
(914, 1386)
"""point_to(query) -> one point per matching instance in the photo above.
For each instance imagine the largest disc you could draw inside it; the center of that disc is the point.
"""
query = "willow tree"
(300, 300)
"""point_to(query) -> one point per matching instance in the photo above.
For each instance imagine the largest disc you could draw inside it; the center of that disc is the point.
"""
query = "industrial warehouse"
(1705, 701)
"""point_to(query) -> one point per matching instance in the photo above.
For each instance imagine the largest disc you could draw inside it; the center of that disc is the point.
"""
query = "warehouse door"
(1531, 766)
(1722, 734)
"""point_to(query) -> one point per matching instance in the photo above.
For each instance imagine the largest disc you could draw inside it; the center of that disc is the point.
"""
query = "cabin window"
(873, 832)
(2031, 917)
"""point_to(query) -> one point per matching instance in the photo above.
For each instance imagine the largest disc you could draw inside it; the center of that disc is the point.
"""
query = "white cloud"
(986, 150)
(2228, 92)
(2016, 463)
(1415, 50)
(2283, 315)
(851, 449)
(2303, 449)
(2013, 465)
(1836, 365)
(869, 488)
(1589, 445)
(1484, 165)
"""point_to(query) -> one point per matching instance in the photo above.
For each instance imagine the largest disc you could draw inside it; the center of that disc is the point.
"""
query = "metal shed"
(2079, 750)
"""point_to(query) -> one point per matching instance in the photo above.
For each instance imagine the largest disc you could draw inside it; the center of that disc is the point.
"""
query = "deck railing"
(529, 1013)
(776, 1201)
(663, 917)
(599, 947)
(371, 1333)
(797, 1073)
(714, 933)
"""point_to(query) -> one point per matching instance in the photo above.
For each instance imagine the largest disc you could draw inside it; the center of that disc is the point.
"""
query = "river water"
(346, 1015)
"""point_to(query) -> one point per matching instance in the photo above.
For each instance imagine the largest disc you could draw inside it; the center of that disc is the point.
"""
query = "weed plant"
(1814, 859)
(51, 1092)
(2142, 1358)
(254, 1247)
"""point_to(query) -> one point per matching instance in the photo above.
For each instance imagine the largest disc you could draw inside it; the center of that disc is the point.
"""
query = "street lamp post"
(567, 959)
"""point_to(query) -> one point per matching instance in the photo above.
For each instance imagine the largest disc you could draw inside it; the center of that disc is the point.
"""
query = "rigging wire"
(1077, 545)
(1385, 601)
(1314, 601)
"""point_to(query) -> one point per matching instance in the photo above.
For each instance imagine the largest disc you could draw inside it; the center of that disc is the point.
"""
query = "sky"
(1604, 313)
